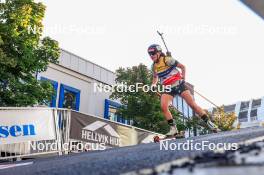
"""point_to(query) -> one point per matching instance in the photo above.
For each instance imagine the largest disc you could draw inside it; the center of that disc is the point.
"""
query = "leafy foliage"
(224, 120)
(23, 53)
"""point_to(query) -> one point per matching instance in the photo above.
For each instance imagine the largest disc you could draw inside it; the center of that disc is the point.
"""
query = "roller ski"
(207, 123)
(172, 134)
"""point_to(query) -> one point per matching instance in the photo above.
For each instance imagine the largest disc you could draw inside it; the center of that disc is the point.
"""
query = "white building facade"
(74, 80)
(249, 113)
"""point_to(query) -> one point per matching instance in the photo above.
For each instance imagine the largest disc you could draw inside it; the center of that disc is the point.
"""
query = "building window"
(110, 112)
(242, 117)
(254, 118)
(69, 97)
(51, 103)
(253, 114)
(256, 103)
(244, 106)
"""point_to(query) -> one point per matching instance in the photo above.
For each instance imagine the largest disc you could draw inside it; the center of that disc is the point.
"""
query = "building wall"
(85, 67)
(261, 110)
(81, 74)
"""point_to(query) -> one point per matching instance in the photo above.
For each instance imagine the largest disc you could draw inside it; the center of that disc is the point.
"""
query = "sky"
(219, 41)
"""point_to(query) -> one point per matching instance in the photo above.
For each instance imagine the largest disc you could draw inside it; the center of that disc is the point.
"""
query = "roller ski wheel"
(156, 139)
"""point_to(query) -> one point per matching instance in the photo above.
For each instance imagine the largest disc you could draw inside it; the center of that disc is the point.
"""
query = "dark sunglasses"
(152, 53)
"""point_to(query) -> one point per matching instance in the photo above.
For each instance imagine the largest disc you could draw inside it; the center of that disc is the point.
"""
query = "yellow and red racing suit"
(166, 70)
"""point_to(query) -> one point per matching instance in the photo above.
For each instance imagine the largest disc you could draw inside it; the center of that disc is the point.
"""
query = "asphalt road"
(125, 159)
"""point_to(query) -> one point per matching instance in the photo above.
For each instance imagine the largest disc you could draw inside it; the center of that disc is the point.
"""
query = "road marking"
(14, 165)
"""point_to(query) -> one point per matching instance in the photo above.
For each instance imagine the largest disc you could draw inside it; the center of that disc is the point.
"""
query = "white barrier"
(28, 132)
(21, 132)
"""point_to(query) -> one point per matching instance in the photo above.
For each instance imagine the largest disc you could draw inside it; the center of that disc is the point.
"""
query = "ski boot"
(174, 132)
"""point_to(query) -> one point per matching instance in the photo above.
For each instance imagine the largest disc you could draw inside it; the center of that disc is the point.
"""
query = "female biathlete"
(165, 69)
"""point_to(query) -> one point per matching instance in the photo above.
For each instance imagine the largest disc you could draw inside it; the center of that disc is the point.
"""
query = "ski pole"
(161, 35)
(202, 96)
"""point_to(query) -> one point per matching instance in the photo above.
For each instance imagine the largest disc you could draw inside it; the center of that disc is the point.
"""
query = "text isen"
(16, 130)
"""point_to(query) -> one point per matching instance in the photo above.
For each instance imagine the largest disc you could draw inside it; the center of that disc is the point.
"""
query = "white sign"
(22, 125)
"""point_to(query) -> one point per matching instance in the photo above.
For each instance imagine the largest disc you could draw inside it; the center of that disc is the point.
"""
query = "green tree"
(143, 108)
(225, 121)
(24, 53)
